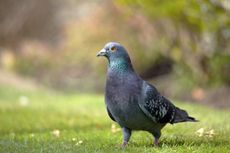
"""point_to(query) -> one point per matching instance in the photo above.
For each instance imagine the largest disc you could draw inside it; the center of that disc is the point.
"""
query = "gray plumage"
(132, 102)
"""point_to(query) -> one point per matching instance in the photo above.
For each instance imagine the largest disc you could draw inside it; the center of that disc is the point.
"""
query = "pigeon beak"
(102, 52)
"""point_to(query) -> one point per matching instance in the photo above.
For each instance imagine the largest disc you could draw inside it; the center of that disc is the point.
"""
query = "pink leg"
(156, 142)
(126, 136)
(124, 144)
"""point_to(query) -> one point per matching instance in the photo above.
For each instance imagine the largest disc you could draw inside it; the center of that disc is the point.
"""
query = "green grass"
(82, 117)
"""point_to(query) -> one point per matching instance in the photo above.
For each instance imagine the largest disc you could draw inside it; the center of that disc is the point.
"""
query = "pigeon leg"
(157, 136)
(126, 136)
(156, 142)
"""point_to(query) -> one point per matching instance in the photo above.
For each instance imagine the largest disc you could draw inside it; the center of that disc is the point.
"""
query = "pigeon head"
(116, 55)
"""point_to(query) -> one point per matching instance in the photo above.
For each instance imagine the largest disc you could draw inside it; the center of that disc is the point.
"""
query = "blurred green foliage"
(220, 69)
(189, 39)
(198, 32)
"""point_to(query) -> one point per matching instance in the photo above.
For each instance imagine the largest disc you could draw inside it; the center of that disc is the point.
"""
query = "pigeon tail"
(182, 116)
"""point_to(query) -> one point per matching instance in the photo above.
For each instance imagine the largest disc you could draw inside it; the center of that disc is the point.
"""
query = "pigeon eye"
(113, 48)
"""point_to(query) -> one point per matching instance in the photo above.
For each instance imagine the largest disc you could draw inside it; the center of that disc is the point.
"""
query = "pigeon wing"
(155, 106)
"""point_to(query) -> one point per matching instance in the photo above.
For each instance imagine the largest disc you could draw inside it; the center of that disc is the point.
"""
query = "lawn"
(44, 121)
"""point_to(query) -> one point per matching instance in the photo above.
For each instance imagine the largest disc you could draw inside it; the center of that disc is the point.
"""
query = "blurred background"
(181, 46)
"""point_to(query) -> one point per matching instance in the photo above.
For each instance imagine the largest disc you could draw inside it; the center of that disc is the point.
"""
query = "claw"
(124, 144)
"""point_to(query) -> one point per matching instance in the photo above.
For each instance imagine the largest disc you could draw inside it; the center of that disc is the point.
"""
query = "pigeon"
(132, 102)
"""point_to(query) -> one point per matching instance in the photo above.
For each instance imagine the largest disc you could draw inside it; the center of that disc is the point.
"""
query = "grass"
(49, 122)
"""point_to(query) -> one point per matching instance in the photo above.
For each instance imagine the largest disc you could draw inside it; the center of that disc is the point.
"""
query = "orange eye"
(113, 48)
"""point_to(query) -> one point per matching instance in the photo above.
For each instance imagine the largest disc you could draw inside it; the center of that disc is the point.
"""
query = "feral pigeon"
(132, 102)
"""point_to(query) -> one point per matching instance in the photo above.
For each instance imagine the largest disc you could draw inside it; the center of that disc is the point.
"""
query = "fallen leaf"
(200, 132)
(114, 129)
(79, 142)
(56, 133)
(211, 133)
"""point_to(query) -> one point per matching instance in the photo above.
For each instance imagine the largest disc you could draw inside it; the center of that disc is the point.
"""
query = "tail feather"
(182, 116)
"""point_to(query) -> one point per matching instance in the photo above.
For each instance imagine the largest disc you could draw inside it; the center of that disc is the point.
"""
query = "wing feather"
(155, 106)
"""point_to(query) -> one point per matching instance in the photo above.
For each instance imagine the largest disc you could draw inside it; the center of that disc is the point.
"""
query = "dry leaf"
(211, 133)
(56, 133)
(79, 142)
(114, 129)
(200, 132)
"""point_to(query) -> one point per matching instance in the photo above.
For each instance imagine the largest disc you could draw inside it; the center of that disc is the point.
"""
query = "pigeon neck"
(120, 65)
